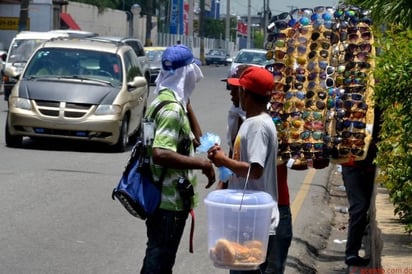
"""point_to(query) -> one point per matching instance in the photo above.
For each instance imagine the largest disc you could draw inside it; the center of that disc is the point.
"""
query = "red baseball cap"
(255, 79)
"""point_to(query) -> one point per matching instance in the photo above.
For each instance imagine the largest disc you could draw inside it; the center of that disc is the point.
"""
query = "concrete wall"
(109, 22)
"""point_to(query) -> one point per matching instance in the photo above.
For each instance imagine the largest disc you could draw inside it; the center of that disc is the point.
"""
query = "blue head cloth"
(176, 56)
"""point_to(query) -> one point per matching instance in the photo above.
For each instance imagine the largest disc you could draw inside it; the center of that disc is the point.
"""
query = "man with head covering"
(173, 152)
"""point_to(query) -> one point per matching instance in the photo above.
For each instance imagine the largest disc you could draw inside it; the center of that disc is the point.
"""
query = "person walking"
(255, 146)
(236, 115)
(358, 179)
(173, 159)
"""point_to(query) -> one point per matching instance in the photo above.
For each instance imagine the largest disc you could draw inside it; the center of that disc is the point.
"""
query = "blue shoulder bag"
(139, 194)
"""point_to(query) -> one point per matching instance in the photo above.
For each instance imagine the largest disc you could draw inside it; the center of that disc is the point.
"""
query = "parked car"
(21, 48)
(138, 48)
(155, 57)
(79, 89)
(216, 56)
(256, 57)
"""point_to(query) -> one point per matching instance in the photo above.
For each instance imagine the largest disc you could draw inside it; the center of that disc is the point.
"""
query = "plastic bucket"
(238, 227)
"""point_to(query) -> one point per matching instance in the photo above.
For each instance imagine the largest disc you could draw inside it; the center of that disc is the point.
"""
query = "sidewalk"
(385, 243)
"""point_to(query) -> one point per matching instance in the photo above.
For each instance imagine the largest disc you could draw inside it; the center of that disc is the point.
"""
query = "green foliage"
(393, 94)
(214, 28)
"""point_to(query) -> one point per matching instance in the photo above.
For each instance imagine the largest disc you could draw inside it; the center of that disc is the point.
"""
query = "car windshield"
(75, 63)
(154, 55)
(248, 57)
(216, 53)
(22, 49)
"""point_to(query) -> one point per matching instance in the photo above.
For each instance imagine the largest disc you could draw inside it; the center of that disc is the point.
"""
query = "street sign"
(12, 23)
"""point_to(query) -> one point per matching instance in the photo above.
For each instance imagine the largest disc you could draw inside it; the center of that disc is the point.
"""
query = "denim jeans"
(278, 246)
(358, 183)
(164, 232)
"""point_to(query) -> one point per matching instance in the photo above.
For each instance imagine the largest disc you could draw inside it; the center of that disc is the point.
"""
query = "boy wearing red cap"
(255, 147)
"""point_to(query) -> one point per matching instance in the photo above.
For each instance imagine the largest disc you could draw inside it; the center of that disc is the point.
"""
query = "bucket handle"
(244, 188)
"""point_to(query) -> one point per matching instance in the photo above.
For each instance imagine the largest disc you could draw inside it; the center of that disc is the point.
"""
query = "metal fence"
(166, 39)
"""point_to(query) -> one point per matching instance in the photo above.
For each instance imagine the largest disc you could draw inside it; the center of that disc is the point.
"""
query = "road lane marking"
(301, 195)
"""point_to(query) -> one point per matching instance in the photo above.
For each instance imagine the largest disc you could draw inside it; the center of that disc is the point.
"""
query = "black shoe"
(356, 261)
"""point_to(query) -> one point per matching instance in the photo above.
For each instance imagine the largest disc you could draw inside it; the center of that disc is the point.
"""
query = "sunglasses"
(313, 125)
(327, 83)
(323, 64)
(277, 96)
(341, 125)
(276, 106)
(357, 135)
(299, 94)
(361, 56)
(349, 104)
(352, 142)
(316, 115)
(277, 76)
(354, 37)
(293, 115)
(360, 65)
(323, 45)
(355, 80)
(321, 94)
(300, 77)
(356, 114)
(319, 104)
(277, 86)
(279, 66)
(303, 12)
(356, 89)
(359, 47)
(336, 140)
(336, 91)
(307, 134)
(355, 151)
(276, 36)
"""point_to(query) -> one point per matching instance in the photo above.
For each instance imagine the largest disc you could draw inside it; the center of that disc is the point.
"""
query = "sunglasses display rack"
(321, 103)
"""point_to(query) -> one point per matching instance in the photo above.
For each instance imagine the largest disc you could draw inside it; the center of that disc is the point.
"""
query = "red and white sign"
(242, 28)
(186, 18)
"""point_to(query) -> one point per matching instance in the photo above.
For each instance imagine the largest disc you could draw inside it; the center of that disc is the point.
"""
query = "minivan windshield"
(75, 63)
(22, 49)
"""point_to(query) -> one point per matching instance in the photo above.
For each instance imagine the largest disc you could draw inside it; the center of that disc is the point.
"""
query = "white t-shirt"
(257, 142)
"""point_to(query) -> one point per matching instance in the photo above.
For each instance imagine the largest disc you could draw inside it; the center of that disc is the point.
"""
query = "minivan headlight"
(22, 103)
(108, 109)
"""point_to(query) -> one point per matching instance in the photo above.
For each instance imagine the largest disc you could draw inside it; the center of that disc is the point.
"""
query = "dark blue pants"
(358, 183)
(164, 232)
(278, 246)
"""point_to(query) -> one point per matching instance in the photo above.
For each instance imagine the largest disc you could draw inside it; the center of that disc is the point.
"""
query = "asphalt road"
(57, 215)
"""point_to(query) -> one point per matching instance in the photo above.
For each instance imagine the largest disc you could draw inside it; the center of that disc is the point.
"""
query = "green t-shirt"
(172, 128)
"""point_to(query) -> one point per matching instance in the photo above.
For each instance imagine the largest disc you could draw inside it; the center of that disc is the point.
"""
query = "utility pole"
(24, 15)
(266, 10)
(201, 30)
(249, 24)
(190, 23)
(227, 29)
(149, 6)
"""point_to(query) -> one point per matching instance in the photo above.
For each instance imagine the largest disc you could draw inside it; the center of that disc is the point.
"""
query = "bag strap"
(159, 107)
(152, 116)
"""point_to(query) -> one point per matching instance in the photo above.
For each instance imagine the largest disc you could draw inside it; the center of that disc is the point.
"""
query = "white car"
(255, 57)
